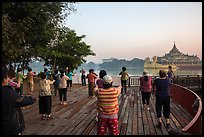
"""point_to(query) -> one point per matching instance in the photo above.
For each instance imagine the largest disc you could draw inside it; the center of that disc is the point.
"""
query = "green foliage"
(67, 49)
(28, 29)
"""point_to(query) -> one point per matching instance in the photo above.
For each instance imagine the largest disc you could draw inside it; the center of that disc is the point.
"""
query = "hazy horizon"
(127, 30)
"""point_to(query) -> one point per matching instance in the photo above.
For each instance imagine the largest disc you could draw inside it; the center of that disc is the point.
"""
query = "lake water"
(39, 66)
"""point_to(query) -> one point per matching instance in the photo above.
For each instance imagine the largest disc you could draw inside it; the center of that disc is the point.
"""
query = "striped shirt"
(108, 100)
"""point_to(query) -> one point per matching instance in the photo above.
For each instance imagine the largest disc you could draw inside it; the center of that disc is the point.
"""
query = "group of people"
(62, 82)
(102, 88)
(161, 88)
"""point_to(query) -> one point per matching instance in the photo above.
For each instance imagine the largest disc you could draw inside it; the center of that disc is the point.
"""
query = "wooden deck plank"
(78, 117)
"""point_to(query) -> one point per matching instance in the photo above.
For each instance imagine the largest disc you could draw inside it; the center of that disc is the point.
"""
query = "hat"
(145, 73)
(107, 79)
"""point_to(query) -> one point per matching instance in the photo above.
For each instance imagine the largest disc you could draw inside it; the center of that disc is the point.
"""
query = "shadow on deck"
(78, 117)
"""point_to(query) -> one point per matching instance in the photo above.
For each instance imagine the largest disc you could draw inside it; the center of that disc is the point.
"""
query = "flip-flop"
(48, 118)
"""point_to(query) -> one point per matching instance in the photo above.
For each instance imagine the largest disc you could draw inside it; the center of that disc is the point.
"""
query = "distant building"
(177, 58)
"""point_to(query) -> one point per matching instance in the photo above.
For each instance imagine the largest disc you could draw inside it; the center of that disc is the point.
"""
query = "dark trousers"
(45, 104)
(124, 86)
(91, 86)
(83, 80)
(145, 97)
(163, 102)
(55, 90)
(63, 94)
(69, 83)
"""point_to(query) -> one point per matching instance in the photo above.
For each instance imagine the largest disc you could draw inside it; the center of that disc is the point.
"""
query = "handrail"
(178, 94)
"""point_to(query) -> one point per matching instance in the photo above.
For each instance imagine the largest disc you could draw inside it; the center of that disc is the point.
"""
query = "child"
(45, 100)
(107, 107)
(91, 80)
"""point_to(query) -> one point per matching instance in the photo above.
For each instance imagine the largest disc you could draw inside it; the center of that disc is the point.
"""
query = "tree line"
(35, 31)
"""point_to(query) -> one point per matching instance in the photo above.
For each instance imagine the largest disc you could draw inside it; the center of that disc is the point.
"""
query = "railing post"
(129, 82)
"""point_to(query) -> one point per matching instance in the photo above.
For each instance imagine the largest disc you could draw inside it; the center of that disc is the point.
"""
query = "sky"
(127, 30)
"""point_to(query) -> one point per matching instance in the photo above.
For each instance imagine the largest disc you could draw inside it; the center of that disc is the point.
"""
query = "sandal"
(43, 118)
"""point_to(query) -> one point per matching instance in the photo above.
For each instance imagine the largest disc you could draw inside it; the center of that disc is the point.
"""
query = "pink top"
(14, 84)
(146, 86)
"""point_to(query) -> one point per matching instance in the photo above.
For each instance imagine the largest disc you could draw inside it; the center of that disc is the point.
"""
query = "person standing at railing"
(170, 73)
(124, 78)
(146, 89)
(162, 86)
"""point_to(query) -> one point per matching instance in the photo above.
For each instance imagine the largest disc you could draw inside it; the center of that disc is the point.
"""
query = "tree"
(28, 26)
(67, 49)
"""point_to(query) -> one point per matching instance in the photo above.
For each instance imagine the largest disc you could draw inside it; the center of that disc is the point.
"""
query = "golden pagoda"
(174, 58)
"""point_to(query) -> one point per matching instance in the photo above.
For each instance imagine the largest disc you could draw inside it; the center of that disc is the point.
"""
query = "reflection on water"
(155, 72)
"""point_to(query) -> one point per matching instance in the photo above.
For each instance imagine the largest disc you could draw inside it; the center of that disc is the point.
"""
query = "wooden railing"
(192, 82)
(192, 103)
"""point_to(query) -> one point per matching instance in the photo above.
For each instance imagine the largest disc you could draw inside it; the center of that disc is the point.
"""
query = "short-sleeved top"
(124, 75)
(63, 82)
(30, 77)
(45, 87)
(83, 72)
(91, 77)
(146, 86)
(47, 75)
(70, 74)
(162, 87)
(108, 100)
(20, 76)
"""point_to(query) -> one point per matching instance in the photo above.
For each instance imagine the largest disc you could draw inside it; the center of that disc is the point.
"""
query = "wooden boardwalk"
(78, 117)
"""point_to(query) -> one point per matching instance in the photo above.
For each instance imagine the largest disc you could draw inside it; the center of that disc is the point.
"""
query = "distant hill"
(114, 64)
